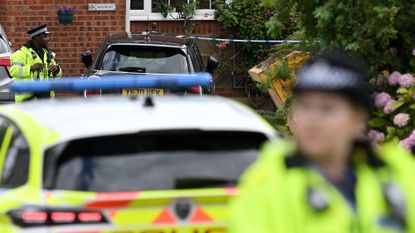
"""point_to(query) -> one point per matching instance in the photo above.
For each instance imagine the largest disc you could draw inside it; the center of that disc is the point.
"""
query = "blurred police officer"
(330, 179)
(34, 61)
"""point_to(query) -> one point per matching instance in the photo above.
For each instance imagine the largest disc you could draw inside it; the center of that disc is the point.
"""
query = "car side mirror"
(86, 59)
(212, 64)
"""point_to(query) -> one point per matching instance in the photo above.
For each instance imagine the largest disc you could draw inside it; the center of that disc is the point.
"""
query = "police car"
(123, 164)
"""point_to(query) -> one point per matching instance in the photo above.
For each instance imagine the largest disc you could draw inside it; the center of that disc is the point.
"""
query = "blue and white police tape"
(247, 41)
(116, 82)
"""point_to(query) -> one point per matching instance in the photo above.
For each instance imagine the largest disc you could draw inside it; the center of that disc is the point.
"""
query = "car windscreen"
(151, 161)
(144, 59)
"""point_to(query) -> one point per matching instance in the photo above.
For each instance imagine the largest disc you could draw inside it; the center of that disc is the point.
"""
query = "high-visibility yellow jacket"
(275, 195)
(23, 59)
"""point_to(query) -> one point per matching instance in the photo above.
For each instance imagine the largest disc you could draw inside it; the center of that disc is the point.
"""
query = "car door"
(16, 200)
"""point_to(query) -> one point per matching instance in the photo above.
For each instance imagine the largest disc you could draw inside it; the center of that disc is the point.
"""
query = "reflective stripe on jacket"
(275, 198)
(23, 59)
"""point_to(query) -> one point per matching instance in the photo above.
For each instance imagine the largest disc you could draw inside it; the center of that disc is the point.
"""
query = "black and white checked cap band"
(321, 76)
(38, 30)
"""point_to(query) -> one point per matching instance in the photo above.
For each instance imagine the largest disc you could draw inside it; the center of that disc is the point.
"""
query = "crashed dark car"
(147, 53)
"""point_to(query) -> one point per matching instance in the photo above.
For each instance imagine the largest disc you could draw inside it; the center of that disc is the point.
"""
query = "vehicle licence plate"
(152, 92)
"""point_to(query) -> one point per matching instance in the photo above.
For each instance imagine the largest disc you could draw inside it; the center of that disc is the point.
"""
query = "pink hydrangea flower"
(409, 142)
(375, 136)
(413, 52)
(389, 107)
(393, 78)
(401, 119)
(406, 80)
(382, 99)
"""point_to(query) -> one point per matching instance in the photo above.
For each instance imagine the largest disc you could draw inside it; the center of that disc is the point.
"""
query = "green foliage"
(281, 71)
(280, 124)
(246, 19)
(187, 11)
(164, 8)
(279, 120)
(377, 122)
(380, 31)
(311, 46)
(184, 12)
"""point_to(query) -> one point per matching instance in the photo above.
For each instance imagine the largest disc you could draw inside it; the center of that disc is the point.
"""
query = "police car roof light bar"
(116, 82)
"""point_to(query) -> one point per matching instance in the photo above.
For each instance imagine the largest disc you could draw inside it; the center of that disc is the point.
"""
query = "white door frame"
(127, 16)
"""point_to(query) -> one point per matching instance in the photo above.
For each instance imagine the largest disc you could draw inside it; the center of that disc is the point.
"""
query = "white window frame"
(147, 15)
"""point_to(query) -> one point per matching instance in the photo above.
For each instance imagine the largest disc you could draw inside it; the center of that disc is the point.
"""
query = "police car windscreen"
(144, 59)
(151, 161)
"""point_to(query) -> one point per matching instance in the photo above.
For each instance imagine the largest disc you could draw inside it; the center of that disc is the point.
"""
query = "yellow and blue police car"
(119, 164)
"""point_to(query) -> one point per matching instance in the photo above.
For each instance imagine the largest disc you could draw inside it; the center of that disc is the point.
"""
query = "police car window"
(144, 59)
(4, 140)
(155, 161)
(3, 127)
(15, 168)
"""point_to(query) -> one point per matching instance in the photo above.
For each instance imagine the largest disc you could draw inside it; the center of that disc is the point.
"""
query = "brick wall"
(2, 11)
(86, 32)
(67, 41)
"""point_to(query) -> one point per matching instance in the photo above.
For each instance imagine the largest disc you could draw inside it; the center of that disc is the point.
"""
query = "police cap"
(38, 30)
(338, 73)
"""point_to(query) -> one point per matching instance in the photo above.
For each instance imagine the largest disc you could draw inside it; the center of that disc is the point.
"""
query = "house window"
(142, 10)
(137, 5)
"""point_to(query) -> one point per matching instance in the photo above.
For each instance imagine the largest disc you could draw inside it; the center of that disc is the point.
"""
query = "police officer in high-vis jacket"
(34, 61)
(330, 179)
